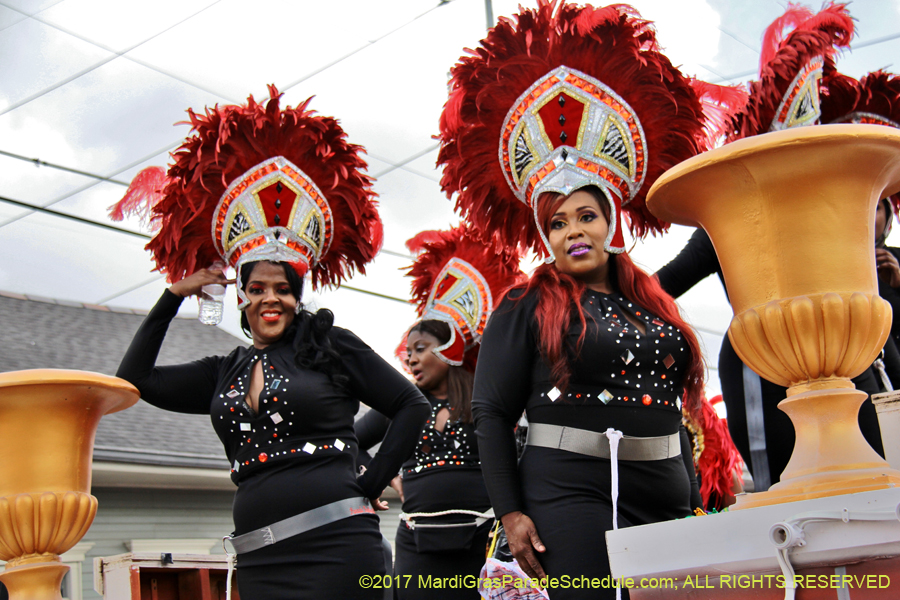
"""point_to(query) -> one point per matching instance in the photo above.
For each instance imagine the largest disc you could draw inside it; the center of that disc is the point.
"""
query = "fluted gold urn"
(792, 217)
(48, 419)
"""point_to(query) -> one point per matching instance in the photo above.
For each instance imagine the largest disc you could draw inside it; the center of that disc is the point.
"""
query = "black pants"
(568, 496)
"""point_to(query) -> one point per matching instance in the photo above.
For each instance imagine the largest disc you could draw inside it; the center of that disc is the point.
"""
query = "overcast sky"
(96, 86)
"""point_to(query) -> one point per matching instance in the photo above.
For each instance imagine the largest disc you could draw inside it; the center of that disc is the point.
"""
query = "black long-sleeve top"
(298, 452)
(620, 378)
(444, 472)
(696, 261)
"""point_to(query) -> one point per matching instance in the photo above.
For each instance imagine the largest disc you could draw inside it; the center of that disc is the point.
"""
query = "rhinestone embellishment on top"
(640, 377)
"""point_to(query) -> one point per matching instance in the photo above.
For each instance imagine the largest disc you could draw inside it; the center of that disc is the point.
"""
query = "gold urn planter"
(791, 215)
(48, 419)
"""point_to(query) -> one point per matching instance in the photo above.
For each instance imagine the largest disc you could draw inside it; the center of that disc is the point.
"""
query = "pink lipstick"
(579, 249)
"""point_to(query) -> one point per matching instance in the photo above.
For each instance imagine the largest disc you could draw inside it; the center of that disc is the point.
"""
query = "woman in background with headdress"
(283, 194)
(589, 114)
(445, 522)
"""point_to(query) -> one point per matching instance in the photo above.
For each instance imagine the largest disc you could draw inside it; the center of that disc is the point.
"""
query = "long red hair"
(559, 302)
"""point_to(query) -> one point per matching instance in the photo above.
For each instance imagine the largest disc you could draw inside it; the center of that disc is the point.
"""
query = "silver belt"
(317, 517)
(592, 443)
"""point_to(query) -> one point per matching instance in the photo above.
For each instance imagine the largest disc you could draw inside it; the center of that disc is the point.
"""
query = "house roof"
(45, 333)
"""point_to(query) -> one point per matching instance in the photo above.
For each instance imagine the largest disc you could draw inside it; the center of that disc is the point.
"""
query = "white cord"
(614, 436)
(480, 517)
(231, 560)
(789, 534)
(790, 586)
(885, 380)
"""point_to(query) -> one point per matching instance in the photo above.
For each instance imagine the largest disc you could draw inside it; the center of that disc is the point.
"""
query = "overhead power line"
(97, 65)
(40, 163)
(56, 213)
(110, 227)
(62, 215)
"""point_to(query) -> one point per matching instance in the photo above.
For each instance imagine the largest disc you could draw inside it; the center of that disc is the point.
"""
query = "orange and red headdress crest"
(257, 182)
(459, 280)
(559, 98)
(798, 48)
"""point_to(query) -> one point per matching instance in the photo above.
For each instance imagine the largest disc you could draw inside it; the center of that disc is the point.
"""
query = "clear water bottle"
(212, 300)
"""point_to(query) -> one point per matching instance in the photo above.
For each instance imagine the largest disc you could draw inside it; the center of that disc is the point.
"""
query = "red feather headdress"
(797, 48)
(876, 101)
(873, 100)
(255, 182)
(560, 97)
(720, 103)
(459, 280)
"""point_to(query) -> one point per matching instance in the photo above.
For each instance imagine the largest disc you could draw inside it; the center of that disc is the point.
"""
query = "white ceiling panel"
(376, 166)
(384, 275)
(275, 42)
(49, 256)
(733, 61)
(9, 211)
(37, 56)
(118, 25)
(426, 166)
(859, 61)
(875, 19)
(688, 30)
(93, 204)
(410, 203)
(117, 114)
(30, 7)
(9, 17)
(390, 95)
(26, 182)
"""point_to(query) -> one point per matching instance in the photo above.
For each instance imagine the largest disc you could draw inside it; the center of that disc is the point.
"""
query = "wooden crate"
(152, 576)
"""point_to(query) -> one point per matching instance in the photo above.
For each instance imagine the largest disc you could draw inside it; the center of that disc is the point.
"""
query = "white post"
(888, 407)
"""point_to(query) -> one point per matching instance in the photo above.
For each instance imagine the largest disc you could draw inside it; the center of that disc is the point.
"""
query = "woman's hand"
(523, 541)
(190, 285)
(887, 266)
(379, 504)
(397, 484)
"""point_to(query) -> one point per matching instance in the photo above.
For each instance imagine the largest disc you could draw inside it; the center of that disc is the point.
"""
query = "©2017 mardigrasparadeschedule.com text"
(743, 581)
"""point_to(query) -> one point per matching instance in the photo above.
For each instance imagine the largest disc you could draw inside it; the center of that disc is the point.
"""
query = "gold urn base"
(48, 419)
(35, 581)
(831, 457)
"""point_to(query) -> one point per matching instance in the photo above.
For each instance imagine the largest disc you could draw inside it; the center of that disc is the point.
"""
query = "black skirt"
(327, 562)
(568, 496)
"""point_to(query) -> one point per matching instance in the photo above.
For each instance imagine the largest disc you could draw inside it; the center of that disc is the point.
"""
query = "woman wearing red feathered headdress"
(445, 521)
(556, 126)
(276, 194)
